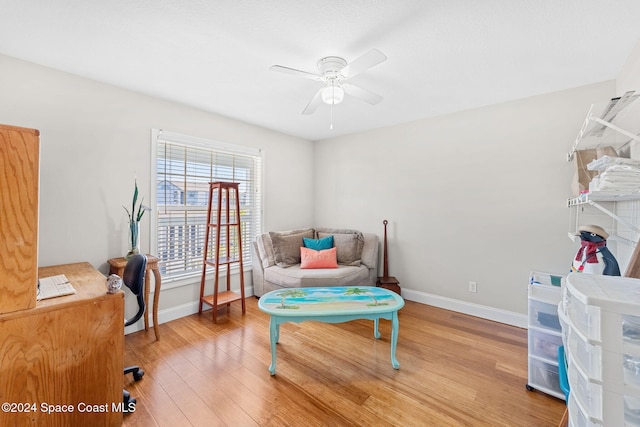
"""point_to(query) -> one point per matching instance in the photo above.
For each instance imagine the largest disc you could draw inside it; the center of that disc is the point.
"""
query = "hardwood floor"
(455, 370)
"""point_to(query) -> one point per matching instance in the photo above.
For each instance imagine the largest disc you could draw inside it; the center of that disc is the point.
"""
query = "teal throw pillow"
(318, 244)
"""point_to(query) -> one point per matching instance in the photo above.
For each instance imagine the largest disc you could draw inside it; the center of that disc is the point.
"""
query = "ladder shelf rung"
(223, 224)
(224, 298)
(222, 261)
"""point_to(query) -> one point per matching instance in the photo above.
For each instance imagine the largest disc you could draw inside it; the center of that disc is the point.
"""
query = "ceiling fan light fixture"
(332, 95)
(334, 72)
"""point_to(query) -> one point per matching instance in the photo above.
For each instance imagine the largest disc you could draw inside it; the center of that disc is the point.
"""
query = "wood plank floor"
(455, 370)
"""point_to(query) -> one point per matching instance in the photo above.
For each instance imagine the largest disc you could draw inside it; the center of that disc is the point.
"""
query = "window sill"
(194, 278)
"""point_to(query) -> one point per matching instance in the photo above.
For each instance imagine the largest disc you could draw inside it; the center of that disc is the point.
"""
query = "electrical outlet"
(473, 287)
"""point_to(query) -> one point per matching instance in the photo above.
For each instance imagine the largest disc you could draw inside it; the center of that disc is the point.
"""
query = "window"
(184, 166)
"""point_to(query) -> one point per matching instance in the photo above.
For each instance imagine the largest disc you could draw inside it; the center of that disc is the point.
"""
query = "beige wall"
(95, 138)
(478, 195)
(629, 78)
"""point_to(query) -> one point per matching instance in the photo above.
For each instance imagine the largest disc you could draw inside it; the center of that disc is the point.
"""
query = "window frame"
(159, 135)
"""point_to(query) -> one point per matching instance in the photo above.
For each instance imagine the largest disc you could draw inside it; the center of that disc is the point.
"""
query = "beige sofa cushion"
(286, 245)
(370, 250)
(348, 243)
(295, 277)
(265, 250)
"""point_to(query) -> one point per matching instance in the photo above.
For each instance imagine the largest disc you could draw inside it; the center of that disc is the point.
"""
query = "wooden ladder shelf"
(223, 245)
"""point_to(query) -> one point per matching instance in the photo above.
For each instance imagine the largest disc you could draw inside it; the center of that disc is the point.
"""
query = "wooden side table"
(390, 283)
(116, 266)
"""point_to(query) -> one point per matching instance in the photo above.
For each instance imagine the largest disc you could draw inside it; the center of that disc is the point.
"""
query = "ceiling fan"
(334, 73)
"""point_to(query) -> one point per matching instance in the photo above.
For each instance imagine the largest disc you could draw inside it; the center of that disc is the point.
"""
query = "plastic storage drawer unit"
(544, 345)
(543, 315)
(588, 357)
(603, 351)
(545, 335)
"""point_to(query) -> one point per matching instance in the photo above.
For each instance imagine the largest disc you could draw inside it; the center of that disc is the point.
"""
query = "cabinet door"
(19, 156)
(70, 356)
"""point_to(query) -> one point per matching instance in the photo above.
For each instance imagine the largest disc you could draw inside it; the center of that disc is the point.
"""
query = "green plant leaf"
(132, 214)
(135, 197)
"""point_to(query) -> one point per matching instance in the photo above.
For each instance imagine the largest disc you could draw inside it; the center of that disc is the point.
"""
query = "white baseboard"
(489, 313)
(174, 313)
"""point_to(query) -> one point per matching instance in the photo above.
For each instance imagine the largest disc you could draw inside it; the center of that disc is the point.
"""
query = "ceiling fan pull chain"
(331, 124)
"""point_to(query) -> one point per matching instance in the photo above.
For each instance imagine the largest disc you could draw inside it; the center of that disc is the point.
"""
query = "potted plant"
(135, 215)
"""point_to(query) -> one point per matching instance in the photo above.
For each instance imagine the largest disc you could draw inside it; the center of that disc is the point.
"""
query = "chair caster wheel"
(129, 403)
(137, 376)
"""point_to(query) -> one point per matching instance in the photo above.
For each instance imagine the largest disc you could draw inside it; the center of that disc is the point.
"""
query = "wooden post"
(386, 281)
(633, 269)
(385, 265)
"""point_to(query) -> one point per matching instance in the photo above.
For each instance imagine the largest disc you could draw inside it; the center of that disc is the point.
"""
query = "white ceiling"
(443, 55)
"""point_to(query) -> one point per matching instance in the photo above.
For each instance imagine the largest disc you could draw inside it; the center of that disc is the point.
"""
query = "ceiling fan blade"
(365, 95)
(314, 103)
(363, 63)
(295, 72)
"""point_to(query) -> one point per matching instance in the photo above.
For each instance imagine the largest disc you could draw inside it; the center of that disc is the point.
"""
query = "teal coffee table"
(331, 305)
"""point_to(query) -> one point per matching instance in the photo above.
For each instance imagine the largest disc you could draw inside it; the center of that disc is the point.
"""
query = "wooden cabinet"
(61, 359)
(66, 351)
(19, 154)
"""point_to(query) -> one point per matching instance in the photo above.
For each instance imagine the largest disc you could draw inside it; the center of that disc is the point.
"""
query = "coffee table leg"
(394, 339)
(274, 332)
(376, 331)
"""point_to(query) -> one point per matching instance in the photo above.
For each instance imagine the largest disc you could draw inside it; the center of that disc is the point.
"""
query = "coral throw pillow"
(326, 258)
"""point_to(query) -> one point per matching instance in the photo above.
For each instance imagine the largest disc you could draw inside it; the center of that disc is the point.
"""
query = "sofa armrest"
(370, 251)
(257, 271)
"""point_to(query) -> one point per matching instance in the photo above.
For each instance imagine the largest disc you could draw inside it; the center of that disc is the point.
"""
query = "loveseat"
(276, 259)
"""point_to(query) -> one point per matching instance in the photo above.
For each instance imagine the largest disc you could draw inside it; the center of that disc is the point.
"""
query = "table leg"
(274, 331)
(156, 299)
(147, 281)
(376, 331)
(394, 339)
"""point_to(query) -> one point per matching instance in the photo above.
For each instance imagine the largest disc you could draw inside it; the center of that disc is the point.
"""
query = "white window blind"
(184, 168)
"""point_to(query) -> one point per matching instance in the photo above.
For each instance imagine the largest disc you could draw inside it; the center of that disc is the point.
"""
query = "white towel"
(606, 161)
(616, 186)
(622, 169)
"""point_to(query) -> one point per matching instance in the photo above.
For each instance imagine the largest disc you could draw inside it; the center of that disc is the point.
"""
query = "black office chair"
(134, 273)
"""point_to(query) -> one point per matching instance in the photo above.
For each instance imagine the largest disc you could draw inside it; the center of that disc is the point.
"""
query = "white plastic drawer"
(544, 375)
(588, 394)
(564, 324)
(631, 369)
(631, 328)
(547, 279)
(544, 345)
(631, 411)
(544, 315)
(577, 417)
(585, 317)
(587, 356)
(548, 294)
